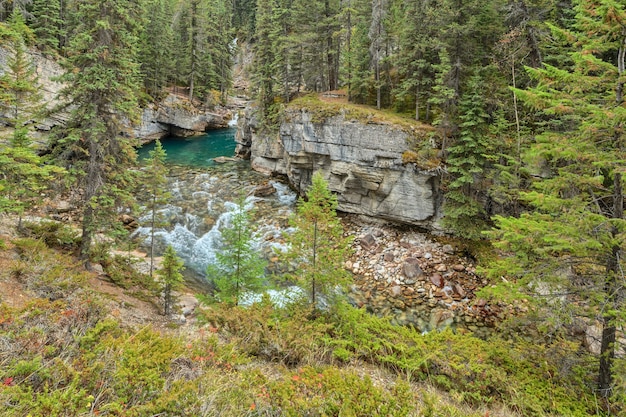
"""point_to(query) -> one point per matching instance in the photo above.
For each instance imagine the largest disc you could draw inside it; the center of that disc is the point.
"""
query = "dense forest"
(527, 103)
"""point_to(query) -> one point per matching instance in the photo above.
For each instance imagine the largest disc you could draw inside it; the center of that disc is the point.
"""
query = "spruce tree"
(155, 181)
(47, 24)
(101, 83)
(24, 175)
(317, 248)
(572, 242)
(464, 209)
(157, 46)
(238, 268)
(265, 61)
(21, 99)
(171, 278)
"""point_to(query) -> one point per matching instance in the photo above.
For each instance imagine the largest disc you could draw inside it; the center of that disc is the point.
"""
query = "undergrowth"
(65, 354)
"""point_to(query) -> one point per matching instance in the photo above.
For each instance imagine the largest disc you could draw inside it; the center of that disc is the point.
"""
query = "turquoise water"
(195, 151)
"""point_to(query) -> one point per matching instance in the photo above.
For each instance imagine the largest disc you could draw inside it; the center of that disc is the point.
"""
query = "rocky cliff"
(174, 115)
(362, 163)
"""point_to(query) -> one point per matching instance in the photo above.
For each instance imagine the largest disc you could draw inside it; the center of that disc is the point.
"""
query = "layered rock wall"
(174, 115)
(361, 162)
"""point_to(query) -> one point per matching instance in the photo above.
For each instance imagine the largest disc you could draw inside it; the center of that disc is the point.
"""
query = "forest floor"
(134, 309)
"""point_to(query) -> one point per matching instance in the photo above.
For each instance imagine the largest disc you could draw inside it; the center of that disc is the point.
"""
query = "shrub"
(53, 234)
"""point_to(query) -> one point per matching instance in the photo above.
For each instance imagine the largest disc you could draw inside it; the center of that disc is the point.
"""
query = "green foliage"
(317, 248)
(329, 391)
(101, 82)
(171, 278)
(466, 161)
(24, 176)
(44, 272)
(53, 234)
(48, 25)
(571, 242)
(155, 182)
(238, 268)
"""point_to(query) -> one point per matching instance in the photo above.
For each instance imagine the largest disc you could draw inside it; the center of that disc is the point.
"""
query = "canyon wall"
(362, 163)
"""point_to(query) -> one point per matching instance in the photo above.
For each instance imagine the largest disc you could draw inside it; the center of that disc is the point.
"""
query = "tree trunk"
(152, 224)
(93, 184)
(613, 292)
(313, 300)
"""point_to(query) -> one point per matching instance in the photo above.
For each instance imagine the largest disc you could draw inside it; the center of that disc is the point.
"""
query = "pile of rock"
(417, 281)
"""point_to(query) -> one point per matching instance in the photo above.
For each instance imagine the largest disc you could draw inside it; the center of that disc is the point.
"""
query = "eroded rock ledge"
(362, 163)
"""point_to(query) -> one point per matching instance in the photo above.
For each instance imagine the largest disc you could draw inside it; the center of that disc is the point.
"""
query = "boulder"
(264, 190)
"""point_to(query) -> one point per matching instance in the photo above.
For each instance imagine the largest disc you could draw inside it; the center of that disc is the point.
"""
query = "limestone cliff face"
(361, 162)
(174, 115)
(47, 71)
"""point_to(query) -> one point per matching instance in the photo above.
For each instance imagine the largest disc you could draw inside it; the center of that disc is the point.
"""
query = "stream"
(202, 203)
(399, 273)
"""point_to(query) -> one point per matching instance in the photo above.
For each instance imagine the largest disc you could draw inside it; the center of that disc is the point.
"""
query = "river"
(203, 195)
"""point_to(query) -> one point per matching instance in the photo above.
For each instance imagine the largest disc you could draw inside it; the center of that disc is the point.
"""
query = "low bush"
(53, 234)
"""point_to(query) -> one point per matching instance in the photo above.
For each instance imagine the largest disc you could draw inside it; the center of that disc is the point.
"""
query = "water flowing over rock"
(361, 162)
(202, 205)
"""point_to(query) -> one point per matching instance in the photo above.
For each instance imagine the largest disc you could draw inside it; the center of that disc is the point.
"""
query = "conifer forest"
(513, 111)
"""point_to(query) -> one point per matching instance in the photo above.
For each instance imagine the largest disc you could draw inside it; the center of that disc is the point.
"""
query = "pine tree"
(20, 100)
(171, 278)
(577, 223)
(155, 181)
(157, 46)
(238, 268)
(102, 81)
(317, 247)
(47, 24)
(463, 209)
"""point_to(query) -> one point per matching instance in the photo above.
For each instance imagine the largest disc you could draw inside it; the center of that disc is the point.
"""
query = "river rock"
(264, 190)
(388, 257)
(411, 268)
(458, 268)
(395, 291)
(224, 159)
(448, 249)
(458, 289)
(368, 242)
(437, 280)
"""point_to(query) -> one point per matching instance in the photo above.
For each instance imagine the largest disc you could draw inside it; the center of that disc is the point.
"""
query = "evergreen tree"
(48, 24)
(317, 246)
(24, 175)
(23, 178)
(20, 99)
(416, 56)
(157, 46)
(155, 180)
(171, 278)
(377, 35)
(238, 268)
(464, 209)
(101, 83)
(577, 223)
(265, 60)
